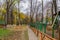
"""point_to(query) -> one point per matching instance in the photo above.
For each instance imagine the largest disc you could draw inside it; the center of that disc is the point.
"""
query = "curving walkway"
(31, 34)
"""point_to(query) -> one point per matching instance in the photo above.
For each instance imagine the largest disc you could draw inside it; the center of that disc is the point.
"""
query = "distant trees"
(12, 14)
(34, 10)
(9, 8)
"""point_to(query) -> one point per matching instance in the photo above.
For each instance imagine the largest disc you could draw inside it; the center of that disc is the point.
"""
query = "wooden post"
(37, 32)
(41, 37)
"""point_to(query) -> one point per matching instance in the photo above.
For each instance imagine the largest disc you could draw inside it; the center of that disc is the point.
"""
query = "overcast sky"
(24, 4)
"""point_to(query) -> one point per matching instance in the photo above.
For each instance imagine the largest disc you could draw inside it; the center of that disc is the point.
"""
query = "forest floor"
(49, 32)
(18, 33)
(23, 32)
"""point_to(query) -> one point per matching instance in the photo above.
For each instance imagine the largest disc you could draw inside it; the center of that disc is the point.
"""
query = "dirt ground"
(49, 32)
(18, 33)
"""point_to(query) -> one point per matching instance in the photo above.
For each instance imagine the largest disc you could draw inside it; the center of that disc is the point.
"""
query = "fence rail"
(42, 36)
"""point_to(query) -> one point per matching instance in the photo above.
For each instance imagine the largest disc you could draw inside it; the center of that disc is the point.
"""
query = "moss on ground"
(4, 32)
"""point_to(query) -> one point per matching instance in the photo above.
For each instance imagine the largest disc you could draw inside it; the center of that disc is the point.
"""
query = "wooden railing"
(42, 36)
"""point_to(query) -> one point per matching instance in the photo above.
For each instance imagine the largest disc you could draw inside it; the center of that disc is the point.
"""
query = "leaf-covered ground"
(17, 33)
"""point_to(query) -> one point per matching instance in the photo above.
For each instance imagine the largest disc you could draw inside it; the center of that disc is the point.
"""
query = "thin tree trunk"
(36, 12)
(12, 16)
(42, 11)
(52, 12)
(31, 12)
(18, 12)
(7, 21)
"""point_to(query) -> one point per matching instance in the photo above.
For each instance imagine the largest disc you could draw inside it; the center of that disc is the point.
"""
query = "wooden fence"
(42, 36)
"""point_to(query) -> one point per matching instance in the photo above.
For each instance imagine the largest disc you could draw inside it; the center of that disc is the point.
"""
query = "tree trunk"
(18, 13)
(55, 6)
(42, 11)
(52, 12)
(31, 12)
(7, 15)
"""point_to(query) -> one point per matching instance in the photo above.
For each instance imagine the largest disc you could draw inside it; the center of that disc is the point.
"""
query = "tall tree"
(19, 11)
(31, 11)
(52, 12)
(55, 5)
(36, 10)
(42, 11)
(9, 7)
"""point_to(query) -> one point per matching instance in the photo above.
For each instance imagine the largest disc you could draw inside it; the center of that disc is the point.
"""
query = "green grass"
(4, 32)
